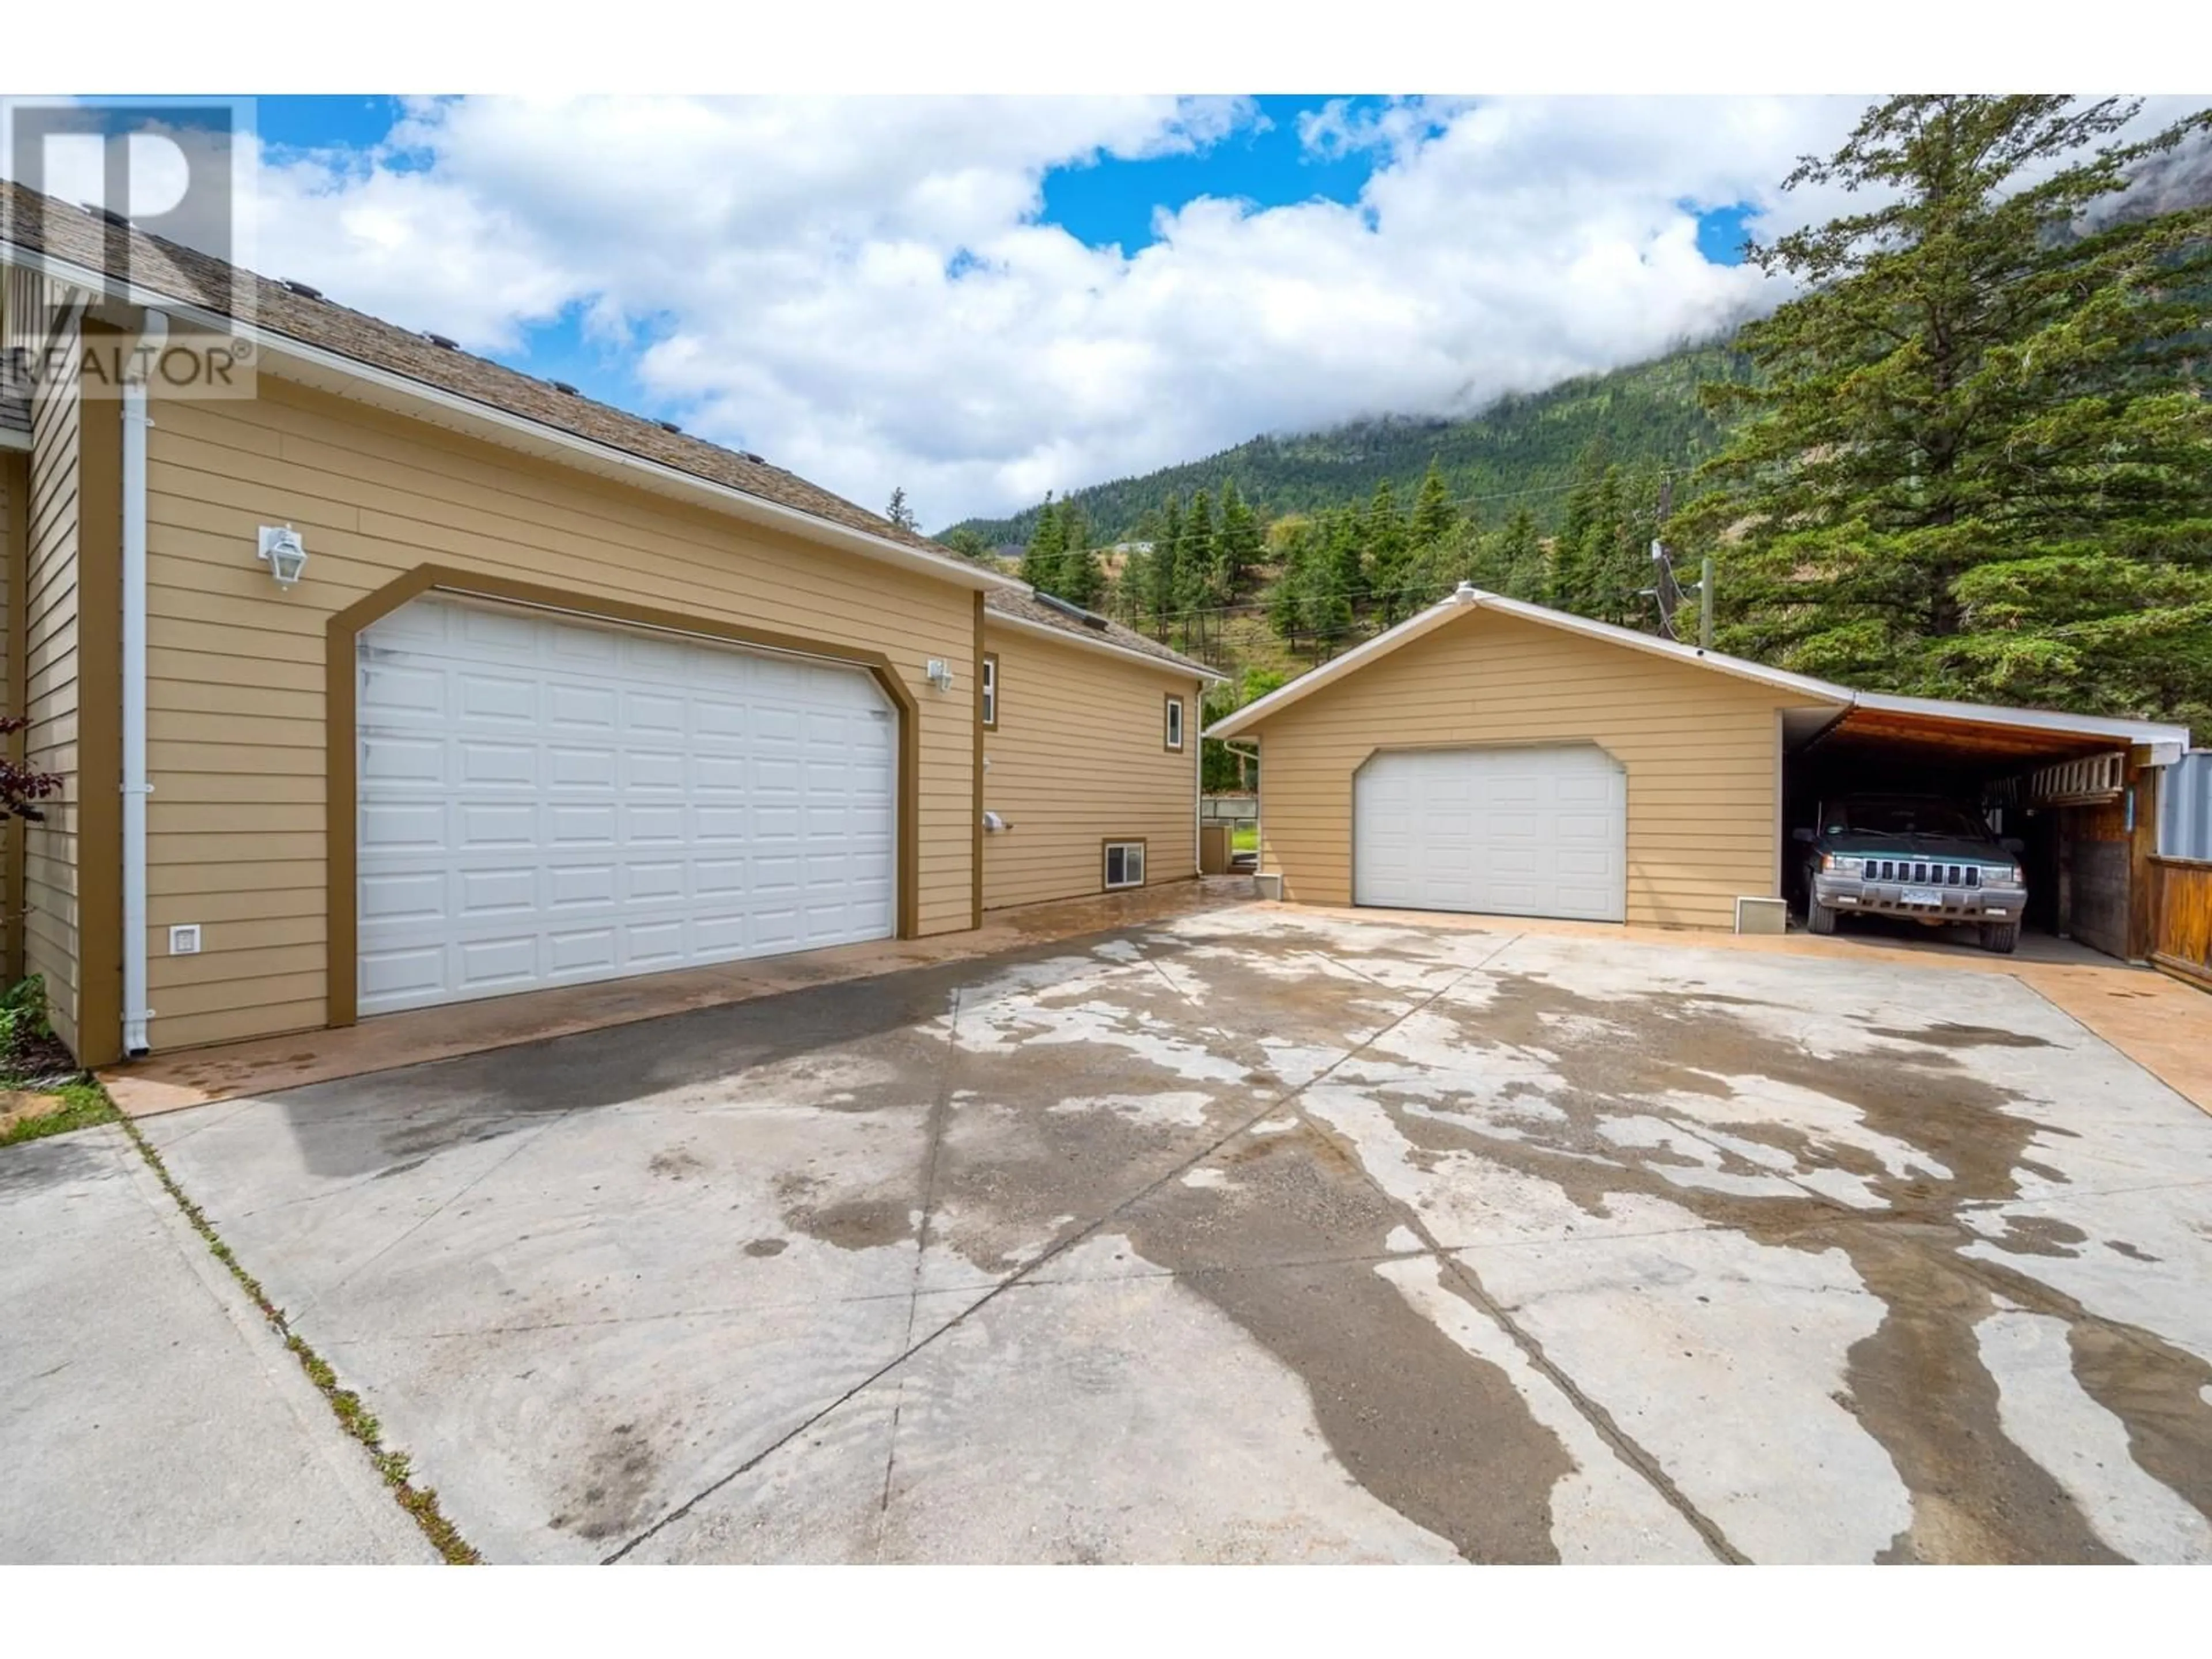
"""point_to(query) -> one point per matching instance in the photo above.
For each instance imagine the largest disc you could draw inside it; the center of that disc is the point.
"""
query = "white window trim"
(990, 690)
(1105, 861)
(1175, 718)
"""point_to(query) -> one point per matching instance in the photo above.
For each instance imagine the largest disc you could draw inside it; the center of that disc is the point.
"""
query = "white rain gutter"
(135, 788)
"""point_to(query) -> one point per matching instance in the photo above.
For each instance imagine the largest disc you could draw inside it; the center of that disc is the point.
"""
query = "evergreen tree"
(1433, 515)
(1163, 581)
(898, 512)
(1081, 576)
(1235, 546)
(1513, 560)
(1287, 599)
(1570, 583)
(1194, 559)
(1041, 563)
(1978, 461)
(1390, 554)
(967, 544)
(1340, 584)
(1598, 564)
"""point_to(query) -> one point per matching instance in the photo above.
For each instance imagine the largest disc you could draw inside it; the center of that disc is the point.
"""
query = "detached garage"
(1494, 756)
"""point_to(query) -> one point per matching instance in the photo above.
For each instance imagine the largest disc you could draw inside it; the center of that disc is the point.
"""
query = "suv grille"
(1923, 873)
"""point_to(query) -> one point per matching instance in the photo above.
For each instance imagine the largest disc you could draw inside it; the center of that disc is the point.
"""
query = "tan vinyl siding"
(15, 489)
(1702, 749)
(50, 685)
(236, 734)
(1076, 760)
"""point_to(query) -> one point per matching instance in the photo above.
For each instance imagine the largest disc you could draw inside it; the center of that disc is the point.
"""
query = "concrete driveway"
(1250, 1236)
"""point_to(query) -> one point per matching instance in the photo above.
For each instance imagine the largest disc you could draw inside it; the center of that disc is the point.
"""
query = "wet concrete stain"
(675, 1163)
(611, 1490)
(1440, 1436)
(1945, 1035)
(1918, 1383)
(766, 1247)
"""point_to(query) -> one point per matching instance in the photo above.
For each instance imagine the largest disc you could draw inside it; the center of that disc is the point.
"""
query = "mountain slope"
(1520, 447)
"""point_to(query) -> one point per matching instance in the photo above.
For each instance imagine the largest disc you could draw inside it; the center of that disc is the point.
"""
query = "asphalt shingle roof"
(1012, 601)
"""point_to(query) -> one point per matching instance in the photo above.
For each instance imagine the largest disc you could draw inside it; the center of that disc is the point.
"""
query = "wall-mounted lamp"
(940, 673)
(284, 553)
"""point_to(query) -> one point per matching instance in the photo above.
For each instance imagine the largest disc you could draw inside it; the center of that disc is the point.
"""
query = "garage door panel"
(581, 709)
(1509, 831)
(546, 801)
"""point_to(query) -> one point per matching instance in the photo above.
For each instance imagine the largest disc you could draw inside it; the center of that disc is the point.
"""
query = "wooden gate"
(2181, 937)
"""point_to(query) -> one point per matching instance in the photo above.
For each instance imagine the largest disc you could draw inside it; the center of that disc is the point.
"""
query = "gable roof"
(77, 246)
(1814, 692)
(1025, 609)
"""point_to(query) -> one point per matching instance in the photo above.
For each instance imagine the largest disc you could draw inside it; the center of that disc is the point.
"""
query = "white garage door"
(545, 801)
(1517, 832)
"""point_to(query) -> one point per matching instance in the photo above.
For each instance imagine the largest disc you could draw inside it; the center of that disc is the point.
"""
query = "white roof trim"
(1067, 636)
(2161, 738)
(593, 455)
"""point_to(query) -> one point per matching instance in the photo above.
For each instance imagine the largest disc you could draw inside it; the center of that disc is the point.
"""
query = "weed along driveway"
(1250, 1235)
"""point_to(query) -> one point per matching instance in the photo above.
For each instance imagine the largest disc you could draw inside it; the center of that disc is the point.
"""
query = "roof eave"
(323, 367)
(1066, 637)
(2168, 743)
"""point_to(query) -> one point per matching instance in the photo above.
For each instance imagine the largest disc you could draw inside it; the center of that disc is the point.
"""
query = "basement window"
(1125, 864)
(990, 693)
(1175, 725)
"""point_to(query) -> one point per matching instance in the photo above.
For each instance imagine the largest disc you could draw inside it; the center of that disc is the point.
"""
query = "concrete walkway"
(147, 1411)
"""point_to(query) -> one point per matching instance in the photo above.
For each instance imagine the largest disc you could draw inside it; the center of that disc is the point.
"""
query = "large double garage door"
(1504, 831)
(545, 801)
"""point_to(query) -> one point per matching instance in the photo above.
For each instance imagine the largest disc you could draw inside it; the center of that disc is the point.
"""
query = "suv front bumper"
(1851, 895)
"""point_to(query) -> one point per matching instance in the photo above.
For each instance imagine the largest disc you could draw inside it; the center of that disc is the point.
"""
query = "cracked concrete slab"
(1249, 1234)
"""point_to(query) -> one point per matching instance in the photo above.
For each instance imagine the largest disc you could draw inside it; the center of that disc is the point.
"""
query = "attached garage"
(1495, 756)
(427, 682)
(1528, 830)
(547, 801)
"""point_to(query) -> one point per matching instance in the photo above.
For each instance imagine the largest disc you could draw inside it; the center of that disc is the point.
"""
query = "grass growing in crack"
(421, 1503)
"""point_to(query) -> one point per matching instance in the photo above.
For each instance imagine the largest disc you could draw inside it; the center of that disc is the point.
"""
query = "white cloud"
(861, 290)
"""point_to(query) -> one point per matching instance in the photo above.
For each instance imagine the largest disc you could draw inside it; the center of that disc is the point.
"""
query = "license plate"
(1921, 895)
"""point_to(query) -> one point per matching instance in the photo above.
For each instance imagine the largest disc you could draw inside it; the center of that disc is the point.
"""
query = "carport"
(2079, 792)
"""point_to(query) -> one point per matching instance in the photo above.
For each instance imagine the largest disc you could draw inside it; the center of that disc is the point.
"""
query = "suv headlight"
(1834, 864)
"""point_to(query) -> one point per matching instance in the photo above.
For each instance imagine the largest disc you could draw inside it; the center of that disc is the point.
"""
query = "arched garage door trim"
(341, 637)
(1617, 805)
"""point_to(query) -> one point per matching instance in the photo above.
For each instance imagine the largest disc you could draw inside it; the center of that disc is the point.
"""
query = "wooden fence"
(2181, 924)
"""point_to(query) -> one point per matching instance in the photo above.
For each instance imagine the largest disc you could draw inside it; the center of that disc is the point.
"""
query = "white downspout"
(135, 788)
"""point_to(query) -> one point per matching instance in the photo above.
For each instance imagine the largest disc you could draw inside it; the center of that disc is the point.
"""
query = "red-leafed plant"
(21, 789)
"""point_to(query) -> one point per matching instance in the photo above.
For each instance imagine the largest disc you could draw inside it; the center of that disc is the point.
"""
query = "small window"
(1175, 723)
(1125, 864)
(990, 693)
